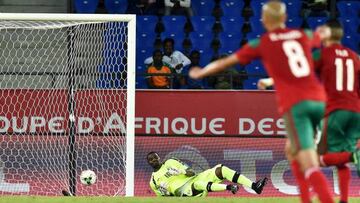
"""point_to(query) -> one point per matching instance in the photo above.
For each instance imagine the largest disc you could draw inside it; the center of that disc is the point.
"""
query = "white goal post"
(67, 103)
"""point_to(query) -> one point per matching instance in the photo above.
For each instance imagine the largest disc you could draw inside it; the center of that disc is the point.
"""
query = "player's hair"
(156, 51)
(171, 40)
(337, 31)
(152, 152)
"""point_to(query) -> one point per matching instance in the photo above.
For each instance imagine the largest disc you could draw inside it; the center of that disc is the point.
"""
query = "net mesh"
(63, 106)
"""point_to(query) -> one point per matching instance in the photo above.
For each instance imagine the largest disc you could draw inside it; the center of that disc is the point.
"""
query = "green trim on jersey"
(309, 33)
(316, 55)
(254, 43)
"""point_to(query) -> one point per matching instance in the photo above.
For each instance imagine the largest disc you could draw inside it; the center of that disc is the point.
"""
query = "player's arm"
(321, 33)
(154, 188)
(245, 55)
(316, 55)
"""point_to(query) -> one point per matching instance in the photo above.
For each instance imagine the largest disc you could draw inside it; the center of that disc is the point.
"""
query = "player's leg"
(200, 185)
(298, 174)
(354, 133)
(223, 172)
(300, 121)
(336, 144)
(208, 181)
(334, 140)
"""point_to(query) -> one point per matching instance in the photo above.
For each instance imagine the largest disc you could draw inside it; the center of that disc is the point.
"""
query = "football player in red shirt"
(286, 54)
(339, 69)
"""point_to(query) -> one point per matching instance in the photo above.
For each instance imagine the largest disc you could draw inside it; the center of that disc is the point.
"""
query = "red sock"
(301, 181)
(344, 182)
(318, 182)
(336, 158)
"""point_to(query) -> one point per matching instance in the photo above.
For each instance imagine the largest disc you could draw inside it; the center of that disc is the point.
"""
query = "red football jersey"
(340, 72)
(286, 55)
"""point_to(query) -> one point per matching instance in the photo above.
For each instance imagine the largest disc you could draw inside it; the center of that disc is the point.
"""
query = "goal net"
(67, 103)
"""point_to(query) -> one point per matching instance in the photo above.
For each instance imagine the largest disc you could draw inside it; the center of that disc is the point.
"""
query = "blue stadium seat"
(116, 6)
(256, 25)
(293, 7)
(232, 25)
(146, 23)
(145, 39)
(85, 6)
(203, 7)
(202, 23)
(350, 24)
(141, 82)
(256, 6)
(348, 8)
(174, 23)
(252, 35)
(205, 58)
(251, 83)
(201, 41)
(232, 7)
(255, 67)
(352, 43)
(141, 55)
(313, 22)
(294, 22)
(178, 37)
(229, 43)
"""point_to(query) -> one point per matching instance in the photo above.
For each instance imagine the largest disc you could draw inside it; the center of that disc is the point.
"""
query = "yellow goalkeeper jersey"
(169, 178)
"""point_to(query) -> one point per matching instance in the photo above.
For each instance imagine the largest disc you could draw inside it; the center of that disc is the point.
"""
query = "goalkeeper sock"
(209, 186)
(235, 177)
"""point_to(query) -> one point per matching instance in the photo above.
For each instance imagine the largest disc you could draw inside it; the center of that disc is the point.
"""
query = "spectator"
(145, 7)
(178, 7)
(228, 79)
(195, 61)
(159, 67)
(175, 59)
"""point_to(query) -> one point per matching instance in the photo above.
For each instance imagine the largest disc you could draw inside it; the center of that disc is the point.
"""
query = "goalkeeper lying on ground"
(174, 178)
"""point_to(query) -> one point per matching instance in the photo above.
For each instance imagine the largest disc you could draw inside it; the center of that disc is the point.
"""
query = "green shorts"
(300, 123)
(205, 176)
(341, 131)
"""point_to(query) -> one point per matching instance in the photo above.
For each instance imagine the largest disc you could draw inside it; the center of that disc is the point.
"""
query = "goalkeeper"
(174, 178)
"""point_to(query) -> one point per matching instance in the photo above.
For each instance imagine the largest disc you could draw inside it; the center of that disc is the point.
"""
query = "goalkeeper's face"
(154, 160)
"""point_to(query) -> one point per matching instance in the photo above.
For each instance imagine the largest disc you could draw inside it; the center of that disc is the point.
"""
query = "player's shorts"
(301, 121)
(341, 131)
(205, 176)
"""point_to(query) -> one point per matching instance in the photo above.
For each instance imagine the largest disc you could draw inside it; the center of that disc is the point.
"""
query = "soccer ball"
(88, 177)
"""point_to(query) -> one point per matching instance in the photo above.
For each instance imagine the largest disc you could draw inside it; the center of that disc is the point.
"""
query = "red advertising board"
(157, 112)
(208, 112)
(240, 129)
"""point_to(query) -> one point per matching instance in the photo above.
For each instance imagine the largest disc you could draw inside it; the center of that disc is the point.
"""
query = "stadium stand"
(116, 6)
(85, 6)
(202, 23)
(232, 8)
(203, 7)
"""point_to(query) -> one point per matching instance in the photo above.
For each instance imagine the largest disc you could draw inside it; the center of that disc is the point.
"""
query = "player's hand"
(195, 73)
(323, 31)
(264, 83)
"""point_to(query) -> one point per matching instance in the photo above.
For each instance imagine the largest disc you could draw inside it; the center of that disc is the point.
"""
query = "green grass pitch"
(35, 199)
